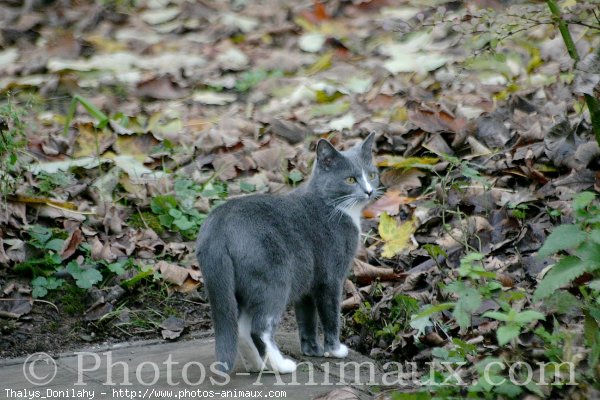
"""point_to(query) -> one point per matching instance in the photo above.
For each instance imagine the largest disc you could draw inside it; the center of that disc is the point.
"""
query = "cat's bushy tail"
(218, 274)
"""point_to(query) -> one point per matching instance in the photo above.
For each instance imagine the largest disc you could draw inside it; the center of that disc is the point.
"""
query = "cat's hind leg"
(306, 315)
(263, 331)
(252, 360)
(328, 306)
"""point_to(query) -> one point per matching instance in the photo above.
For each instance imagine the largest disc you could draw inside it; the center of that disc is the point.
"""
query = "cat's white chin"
(340, 352)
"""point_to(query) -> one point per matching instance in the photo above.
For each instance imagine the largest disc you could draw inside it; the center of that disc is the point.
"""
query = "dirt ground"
(45, 329)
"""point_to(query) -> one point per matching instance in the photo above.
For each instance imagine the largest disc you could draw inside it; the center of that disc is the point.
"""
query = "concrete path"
(180, 370)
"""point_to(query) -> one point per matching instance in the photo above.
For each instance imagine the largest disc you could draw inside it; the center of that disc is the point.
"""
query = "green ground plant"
(577, 246)
(46, 263)
(396, 319)
(12, 144)
(177, 212)
(47, 183)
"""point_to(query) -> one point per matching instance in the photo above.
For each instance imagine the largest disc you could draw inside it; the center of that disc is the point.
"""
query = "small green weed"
(46, 260)
(71, 298)
(402, 307)
(249, 79)
(143, 219)
(519, 211)
(47, 183)
(177, 212)
(45, 244)
(582, 239)
(174, 217)
(295, 177)
(12, 143)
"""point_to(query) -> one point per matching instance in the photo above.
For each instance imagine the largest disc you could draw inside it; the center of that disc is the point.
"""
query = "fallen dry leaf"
(396, 237)
(18, 304)
(390, 203)
(161, 88)
(172, 273)
(71, 243)
(366, 273)
(172, 327)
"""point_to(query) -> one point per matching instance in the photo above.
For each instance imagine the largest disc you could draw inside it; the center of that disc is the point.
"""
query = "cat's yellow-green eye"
(372, 175)
(350, 180)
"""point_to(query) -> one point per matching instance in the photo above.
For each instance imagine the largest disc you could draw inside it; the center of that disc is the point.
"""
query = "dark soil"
(137, 317)
(45, 329)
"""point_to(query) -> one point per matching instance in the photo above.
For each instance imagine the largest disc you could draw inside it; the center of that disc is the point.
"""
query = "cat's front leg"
(328, 306)
(306, 316)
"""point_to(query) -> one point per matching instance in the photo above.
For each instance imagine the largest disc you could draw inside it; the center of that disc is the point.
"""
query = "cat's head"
(346, 178)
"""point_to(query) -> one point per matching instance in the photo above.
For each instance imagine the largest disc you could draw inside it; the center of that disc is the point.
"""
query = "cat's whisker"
(340, 199)
(344, 205)
(378, 191)
(340, 207)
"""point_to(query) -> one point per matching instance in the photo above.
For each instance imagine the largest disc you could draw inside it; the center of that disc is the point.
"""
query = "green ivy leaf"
(88, 278)
(496, 315)
(595, 284)
(144, 273)
(440, 352)
(162, 204)
(583, 200)
(508, 389)
(165, 220)
(563, 272)
(507, 333)
(469, 301)
(39, 281)
(432, 309)
(40, 234)
(296, 176)
(175, 213)
(41, 285)
(528, 316)
(53, 283)
(84, 278)
(562, 237)
(54, 259)
(561, 302)
(595, 235)
(118, 267)
(247, 187)
(589, 251)
(39, 291)
(183, 224)
(54, 244)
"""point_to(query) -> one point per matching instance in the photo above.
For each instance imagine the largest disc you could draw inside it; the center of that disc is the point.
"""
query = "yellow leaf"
(91, 141)
(396, 237)
(400, 114)
(409, 162)
(323, 63)
(136, 145)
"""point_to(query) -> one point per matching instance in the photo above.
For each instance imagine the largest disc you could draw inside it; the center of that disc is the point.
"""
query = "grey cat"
(259, 253)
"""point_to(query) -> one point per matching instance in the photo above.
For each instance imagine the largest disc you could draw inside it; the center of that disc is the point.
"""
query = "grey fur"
(259, 253)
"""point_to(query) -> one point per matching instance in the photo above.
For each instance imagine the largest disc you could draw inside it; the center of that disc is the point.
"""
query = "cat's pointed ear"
(366, 148)
(326, 153)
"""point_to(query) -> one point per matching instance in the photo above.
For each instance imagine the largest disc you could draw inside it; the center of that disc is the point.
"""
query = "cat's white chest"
(354, 213)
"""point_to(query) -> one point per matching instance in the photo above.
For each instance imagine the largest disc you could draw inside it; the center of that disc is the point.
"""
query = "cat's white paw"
(285, 366)
(340, 352)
